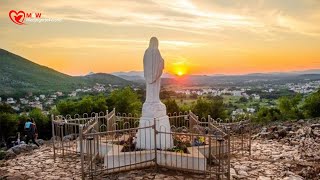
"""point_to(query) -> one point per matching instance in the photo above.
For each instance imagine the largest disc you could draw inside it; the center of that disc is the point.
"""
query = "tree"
(66, 107)
(8, 121)
(172, 106)
(312, 105)
(125, 101)
(213, 107)
(100, 104)
(5, 108)
(88, 104)
(268, 114)
(243, 100)
(289, 107)
(42, 121)
(8, 124)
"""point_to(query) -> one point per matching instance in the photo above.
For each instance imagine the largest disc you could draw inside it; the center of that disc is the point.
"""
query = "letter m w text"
(36, 15)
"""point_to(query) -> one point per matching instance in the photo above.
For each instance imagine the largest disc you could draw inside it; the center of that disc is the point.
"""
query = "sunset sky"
(196, 37)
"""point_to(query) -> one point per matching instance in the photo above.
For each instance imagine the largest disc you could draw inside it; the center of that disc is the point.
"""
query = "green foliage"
(125, 100)
(185, 107)
(267, 115)
(312, 105)
(172, 106)
(43, 123)
(274, 95)
(213, 107)
(8, 124)
(5, 108)
(243, 100)
(2, 154)
(288, 107)
(87, 104)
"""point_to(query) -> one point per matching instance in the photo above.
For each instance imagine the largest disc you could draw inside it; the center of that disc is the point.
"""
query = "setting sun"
(179, 68)
(180, 73)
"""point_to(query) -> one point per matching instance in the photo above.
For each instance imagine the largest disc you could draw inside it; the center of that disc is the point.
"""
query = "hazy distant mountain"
(230, 80)
(310, 71)
(136, 76)
(240, 80)
(130, 73)
(19, 75)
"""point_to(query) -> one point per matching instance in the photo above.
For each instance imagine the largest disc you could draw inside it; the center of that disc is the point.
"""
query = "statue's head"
(154, 43)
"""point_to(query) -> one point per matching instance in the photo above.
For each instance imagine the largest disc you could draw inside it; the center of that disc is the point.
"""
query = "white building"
(73, 94)
(236, 93)
(59, 93)
(255, 96)
(49, 102)
(11, 101)
(54, 96)
(36, 104)
(251, 110)
(16, 108)
(23, 101)
(237, 112)
(42, 96)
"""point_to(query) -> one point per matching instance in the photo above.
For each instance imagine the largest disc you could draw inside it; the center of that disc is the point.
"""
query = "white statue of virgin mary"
(153, 110)
(153, 65)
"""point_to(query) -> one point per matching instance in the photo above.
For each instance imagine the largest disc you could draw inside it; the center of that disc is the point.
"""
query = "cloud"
(265, 20)
(78, 43)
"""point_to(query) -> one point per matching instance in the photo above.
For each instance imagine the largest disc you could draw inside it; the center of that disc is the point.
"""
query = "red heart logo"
(17, 17)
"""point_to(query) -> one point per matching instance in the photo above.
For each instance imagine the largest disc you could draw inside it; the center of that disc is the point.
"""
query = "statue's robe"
(153, 110)
(153, 66)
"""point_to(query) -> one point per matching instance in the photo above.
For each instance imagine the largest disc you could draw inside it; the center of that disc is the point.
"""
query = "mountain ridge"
(19, 75)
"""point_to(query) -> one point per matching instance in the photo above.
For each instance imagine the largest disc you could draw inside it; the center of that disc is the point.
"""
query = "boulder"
(10, 154)
(40, 141)
(282, 133)
(69, 137)
(21, 148)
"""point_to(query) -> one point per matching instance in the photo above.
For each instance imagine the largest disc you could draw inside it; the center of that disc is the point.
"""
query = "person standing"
(31, 132)
(35, 129)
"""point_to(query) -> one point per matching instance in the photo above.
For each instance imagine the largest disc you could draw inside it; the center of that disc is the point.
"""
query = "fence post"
(62, 146)
(155, 141)
(81, 151)
(219, 159)
(229, 156)
(90, 156)
(249, 137)
(210, 154)
(242, 134)
(53, 137)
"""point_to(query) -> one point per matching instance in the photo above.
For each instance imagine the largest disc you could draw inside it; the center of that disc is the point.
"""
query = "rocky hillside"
(282, 151)
(288, 150)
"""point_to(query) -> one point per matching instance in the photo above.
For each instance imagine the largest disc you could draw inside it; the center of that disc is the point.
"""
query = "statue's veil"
(152, 62)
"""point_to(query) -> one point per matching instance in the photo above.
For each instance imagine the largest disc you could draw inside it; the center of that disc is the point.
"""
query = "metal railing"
(104, 143)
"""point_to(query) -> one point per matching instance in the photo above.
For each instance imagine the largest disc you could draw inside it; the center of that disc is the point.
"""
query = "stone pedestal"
(154, 113)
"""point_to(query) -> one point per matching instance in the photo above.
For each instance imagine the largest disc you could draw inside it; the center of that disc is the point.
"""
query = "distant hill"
(19, 75)
(240, 80)
(104, 78)
(229, 80)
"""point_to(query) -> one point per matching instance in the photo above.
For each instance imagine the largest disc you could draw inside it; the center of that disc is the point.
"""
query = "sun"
(179, 68)
(180, 73)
